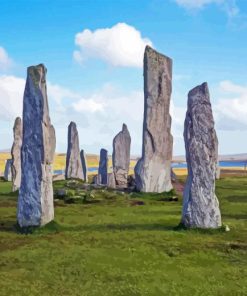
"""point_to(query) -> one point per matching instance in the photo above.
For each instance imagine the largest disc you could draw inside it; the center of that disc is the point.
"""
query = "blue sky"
(97, 83)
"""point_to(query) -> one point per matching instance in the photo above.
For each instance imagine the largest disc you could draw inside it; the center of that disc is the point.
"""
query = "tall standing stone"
(16, 154)
(7, 170)
(111, 182)
(35, 202)
(200, 204)
(73, 160)
(121, 156)
(84, 165)
(153, 170)
(103, 167)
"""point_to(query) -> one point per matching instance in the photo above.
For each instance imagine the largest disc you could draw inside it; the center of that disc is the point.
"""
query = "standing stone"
(153, 170)
(35, 203)
(121, 156)
(16, 154)
(103, 166)
(73, 160)
(200, 204)
(173, 176)
(217, 173)
(84, 165)
(111, 182)
(217, 176)
(97, 179)
(7, 170)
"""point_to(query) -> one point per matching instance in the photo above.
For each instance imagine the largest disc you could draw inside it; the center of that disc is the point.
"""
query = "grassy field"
(119, 244)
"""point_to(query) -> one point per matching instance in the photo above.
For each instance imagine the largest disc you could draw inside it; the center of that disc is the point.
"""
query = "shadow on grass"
(54, 227)
(235, 216)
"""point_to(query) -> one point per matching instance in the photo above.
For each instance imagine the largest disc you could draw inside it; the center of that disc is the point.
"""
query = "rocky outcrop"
(73, 160)
(35, 202)
(7, 170)
(84, 165)
(121, 156)
(16, 155)
(200, 204)
(153, 170)
(103, 167)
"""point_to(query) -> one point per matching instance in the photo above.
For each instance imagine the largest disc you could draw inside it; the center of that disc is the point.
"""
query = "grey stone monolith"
(35, 202)
(111, 182)
(16, 154)
(103, 167)
(200, 204)
(121, 157)
(84, 165)
(153, 170)
(7, 170)
(73, 160)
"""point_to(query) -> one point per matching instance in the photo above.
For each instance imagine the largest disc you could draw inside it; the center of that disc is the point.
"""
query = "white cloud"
(91, 105)
(11, 96)
(120, 45)
(5, 60)
(195, 4)
(59, 93)
(229, 6)
(231, 107)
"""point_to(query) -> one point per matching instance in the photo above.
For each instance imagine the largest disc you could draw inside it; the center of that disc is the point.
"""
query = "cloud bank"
(99, 116)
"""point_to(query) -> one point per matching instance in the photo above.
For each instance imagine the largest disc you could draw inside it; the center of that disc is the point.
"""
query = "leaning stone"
(103, 166)
(84, 165)
(200, 204)
(16, 155)
(35, 202)
(73, 160)
(152, 171)
(7, 170)
(121, 157)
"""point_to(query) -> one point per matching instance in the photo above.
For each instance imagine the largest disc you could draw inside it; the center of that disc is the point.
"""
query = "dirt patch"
(137, 203)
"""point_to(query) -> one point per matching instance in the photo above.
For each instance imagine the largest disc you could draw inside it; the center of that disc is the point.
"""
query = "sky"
(93, 51)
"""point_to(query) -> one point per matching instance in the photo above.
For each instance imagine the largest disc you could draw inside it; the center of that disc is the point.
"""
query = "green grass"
(121, 244)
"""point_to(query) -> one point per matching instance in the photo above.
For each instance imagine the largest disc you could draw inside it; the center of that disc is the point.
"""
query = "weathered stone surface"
(111, 182)
(217, 176)
(35, 202)
(16, 154)
(153, 170)
(84, 165)
(103, 166)
(73, 160)
(173, 176)
(200, 204)
(121, 156)
(97, 179)
(7, 170)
